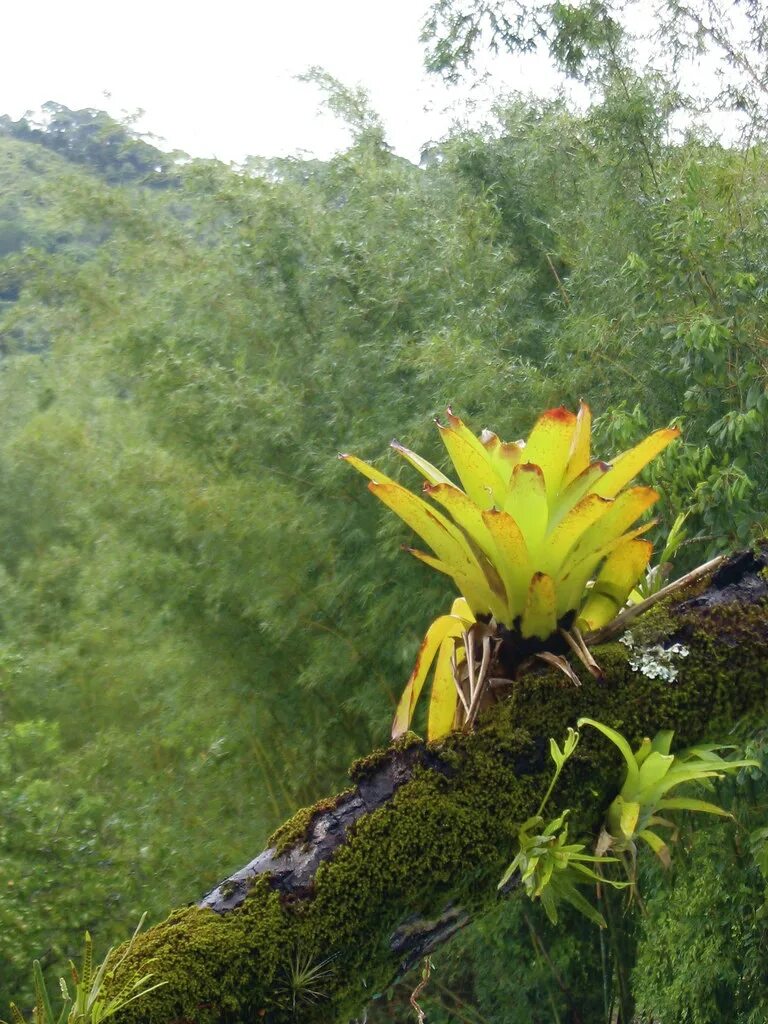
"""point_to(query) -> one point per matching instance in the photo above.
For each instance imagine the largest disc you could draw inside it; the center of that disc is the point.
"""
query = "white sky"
(217, 79)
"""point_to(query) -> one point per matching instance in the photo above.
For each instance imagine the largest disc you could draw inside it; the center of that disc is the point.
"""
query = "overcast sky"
(218, 79)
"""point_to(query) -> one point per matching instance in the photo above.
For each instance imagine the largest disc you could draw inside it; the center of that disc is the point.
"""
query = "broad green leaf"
(652, 771)
(618, 740)
(643, 751)
(685, 803)
(662, 741)
(556, 753)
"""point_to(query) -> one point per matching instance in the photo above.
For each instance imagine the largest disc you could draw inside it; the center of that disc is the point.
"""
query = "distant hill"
(93, 139)
(42, 157)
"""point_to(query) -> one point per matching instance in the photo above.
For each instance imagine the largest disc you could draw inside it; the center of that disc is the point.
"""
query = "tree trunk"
(354, 890)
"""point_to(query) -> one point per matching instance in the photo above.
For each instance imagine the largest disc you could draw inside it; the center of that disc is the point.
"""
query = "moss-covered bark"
(363, 883)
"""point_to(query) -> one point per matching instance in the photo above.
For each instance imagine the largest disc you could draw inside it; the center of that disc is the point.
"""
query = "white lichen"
(654, 661)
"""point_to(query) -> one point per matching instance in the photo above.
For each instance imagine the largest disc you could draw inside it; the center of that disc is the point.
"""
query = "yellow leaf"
(445, 539)
(462, 609)
(526, 502)
(578, 457)
(620, 572)
(465, 513)
(504, 455)
(549, 446)
(427, 470)
(444, 698)
(366, 469)
(539, 617)
(591, 509)
(476, 472)
(658, 846)
(575, 491)
(473, 584)
(630, 813)
(622, 512)
(514, 560)
(441, 629)
(628, 464)
(573, 576)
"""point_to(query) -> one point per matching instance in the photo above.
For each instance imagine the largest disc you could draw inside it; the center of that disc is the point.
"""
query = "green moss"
(653, 627)
(296, 829)
(366, 766)
(213, 965)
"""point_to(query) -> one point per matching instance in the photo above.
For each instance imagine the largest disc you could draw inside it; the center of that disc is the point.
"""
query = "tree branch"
(368, 882)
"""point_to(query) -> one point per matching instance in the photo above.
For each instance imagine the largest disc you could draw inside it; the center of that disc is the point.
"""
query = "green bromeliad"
(540, 541)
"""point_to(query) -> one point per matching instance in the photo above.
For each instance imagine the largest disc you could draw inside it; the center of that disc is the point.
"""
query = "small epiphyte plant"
(91, 1003)
(654, 661)
(304, 980)
(535, 524)
(652, 773)
(658, 575)
(551, 868)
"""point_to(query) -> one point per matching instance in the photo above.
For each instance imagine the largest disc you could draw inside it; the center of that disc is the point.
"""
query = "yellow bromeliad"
(534, 524)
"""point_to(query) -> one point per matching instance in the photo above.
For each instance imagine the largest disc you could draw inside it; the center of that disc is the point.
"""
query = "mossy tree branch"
(384, 872)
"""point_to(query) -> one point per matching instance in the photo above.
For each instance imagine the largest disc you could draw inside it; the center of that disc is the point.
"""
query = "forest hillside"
(204, 618)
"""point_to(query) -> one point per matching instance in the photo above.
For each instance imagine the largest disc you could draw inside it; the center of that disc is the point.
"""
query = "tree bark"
(355, 890)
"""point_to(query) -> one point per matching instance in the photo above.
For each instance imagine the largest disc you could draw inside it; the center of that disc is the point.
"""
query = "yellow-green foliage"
(535, 522)
(652, 772)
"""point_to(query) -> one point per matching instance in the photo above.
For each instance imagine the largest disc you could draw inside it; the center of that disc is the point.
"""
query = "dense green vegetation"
(198, 631)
